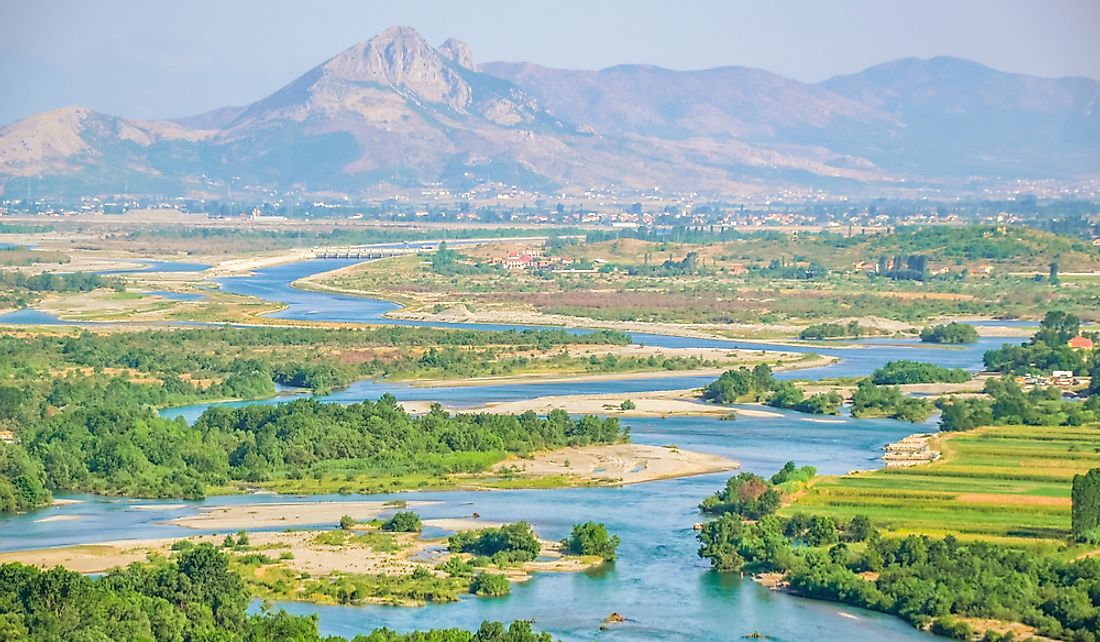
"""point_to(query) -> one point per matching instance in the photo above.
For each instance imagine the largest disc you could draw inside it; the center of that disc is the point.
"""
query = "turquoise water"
(658, 583)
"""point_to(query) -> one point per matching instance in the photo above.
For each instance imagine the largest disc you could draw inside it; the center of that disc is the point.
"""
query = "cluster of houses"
(1063, 378)
(875, 267)
(530, 259)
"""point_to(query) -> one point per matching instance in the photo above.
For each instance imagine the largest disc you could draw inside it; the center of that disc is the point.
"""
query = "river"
(658, 583)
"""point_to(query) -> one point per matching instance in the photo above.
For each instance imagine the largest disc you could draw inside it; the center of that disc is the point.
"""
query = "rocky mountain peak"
(400, 57)
(458, 52)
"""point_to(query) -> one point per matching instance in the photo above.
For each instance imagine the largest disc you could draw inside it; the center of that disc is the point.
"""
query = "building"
(1080, 343)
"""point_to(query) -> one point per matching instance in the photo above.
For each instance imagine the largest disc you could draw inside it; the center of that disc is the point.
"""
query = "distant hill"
(932, 119)
(396, 110)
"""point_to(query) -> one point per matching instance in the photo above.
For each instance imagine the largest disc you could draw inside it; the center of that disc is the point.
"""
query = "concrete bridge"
(367, 252)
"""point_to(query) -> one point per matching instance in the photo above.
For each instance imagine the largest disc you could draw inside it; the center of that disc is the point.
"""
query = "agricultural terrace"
(1009, 484)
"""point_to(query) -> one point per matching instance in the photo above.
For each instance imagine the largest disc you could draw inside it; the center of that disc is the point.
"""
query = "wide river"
(658, 583)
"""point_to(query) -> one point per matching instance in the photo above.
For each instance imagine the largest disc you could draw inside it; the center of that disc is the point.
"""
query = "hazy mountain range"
(398, 111)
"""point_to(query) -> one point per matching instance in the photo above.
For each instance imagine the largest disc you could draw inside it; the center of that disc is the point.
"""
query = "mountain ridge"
(394, 109)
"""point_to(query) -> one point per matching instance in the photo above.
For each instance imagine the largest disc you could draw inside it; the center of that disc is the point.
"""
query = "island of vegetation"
(759, 385)
(953, 332)
(194, 595)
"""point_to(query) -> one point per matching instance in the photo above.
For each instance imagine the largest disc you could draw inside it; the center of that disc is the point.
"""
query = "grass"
(378, 542)
(1009, 484)
(278, 582)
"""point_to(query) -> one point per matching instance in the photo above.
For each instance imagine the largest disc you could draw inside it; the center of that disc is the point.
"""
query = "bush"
(509, 544)
(627, 405)
(490, 585)
(950, 333)
(403, 522)
(870, 400)
(457, 567)
(747, 495)
(591, 538)
(346, 522)
(903, 371)
(948, 626)
(832, 331)
(791, 472)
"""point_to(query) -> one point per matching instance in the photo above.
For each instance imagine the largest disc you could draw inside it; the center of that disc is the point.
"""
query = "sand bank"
(657, 403)
(288, 514)
(619, 463)
(58, 518)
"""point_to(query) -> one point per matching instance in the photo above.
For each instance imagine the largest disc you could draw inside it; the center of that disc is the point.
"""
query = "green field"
(1008, 484)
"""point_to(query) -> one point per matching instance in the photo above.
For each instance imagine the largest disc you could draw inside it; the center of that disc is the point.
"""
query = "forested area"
(81, 408)
(124, 448)
(194, 597)
(1047, 350)
(904, 372)
(928, 581)
(1007, 403)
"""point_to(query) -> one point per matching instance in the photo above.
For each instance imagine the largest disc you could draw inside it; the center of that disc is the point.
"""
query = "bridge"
(367, 252)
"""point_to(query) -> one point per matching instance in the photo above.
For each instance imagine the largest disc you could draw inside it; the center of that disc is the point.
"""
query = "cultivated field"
(1009, 484)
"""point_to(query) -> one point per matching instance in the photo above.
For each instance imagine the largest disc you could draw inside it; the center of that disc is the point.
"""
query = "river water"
(658, 583)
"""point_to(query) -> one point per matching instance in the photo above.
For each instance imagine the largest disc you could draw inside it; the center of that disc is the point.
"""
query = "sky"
(162, 59)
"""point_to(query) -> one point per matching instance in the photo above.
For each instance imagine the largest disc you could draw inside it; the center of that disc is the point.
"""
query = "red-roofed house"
(1080, 343)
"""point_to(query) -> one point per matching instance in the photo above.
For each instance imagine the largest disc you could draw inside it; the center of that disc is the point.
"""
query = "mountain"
(976, 120)
(729, 102)
(396, 110)
(921, 118)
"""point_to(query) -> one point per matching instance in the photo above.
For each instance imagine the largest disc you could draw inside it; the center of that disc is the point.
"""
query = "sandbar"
(619, 463)
(288, 514)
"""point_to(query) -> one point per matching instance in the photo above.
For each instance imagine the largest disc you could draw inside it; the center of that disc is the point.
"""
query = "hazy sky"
(156, 58)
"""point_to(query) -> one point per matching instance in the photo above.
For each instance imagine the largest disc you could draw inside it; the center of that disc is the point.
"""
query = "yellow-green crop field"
(1010, 484)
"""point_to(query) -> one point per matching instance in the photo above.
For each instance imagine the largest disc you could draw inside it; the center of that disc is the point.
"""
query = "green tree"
(591, 538)
(490, 585)
(403, 522)
(1057, 328)
(949, 333)
(1086, 507)
(720, 541)
(508, 544)
(747, 495)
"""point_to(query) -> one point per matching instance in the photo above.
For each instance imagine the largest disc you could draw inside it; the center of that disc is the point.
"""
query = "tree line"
(194, 597)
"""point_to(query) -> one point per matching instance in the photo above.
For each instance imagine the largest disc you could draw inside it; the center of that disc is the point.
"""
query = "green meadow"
(1008, 483)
